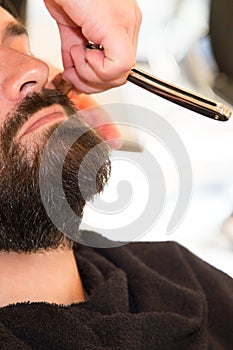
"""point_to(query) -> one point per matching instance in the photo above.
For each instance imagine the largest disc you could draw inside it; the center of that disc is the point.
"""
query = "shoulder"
(168, 259)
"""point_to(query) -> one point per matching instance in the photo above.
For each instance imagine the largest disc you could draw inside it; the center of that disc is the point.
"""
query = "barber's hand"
(90, 111)
(112, 23)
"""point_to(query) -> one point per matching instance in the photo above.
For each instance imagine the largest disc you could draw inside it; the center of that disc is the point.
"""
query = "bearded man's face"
(30, 112)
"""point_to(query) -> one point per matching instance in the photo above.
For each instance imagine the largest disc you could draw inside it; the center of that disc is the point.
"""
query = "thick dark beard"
(24, 223)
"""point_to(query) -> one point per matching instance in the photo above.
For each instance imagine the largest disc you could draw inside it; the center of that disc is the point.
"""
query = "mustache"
(31, 104)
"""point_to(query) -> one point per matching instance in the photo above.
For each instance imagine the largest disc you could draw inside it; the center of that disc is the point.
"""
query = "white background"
(208, 143)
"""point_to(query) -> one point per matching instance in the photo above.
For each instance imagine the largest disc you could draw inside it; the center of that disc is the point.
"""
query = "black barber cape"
(140, 296)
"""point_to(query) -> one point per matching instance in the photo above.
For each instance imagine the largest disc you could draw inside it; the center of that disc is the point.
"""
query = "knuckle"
(129, 64)
(138, 15)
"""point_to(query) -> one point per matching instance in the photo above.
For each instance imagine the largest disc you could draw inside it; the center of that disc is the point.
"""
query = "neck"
(51, 277)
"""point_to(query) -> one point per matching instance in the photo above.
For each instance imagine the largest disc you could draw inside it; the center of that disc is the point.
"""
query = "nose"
(21, 74)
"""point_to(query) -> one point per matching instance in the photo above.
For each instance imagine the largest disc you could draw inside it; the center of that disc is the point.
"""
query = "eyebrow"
(14, 29)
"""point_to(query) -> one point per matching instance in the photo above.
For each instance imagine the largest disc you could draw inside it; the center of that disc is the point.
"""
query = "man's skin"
(50, 276)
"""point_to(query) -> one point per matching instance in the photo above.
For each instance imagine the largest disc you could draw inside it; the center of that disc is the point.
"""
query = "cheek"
(5, 108)
(5, 111)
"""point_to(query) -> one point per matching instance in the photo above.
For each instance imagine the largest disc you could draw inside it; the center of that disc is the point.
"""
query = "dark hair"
(8, 6)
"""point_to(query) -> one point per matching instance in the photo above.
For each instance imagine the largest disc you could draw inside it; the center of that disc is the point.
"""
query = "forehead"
(5, 15)
(10, 6)
(5, 19)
